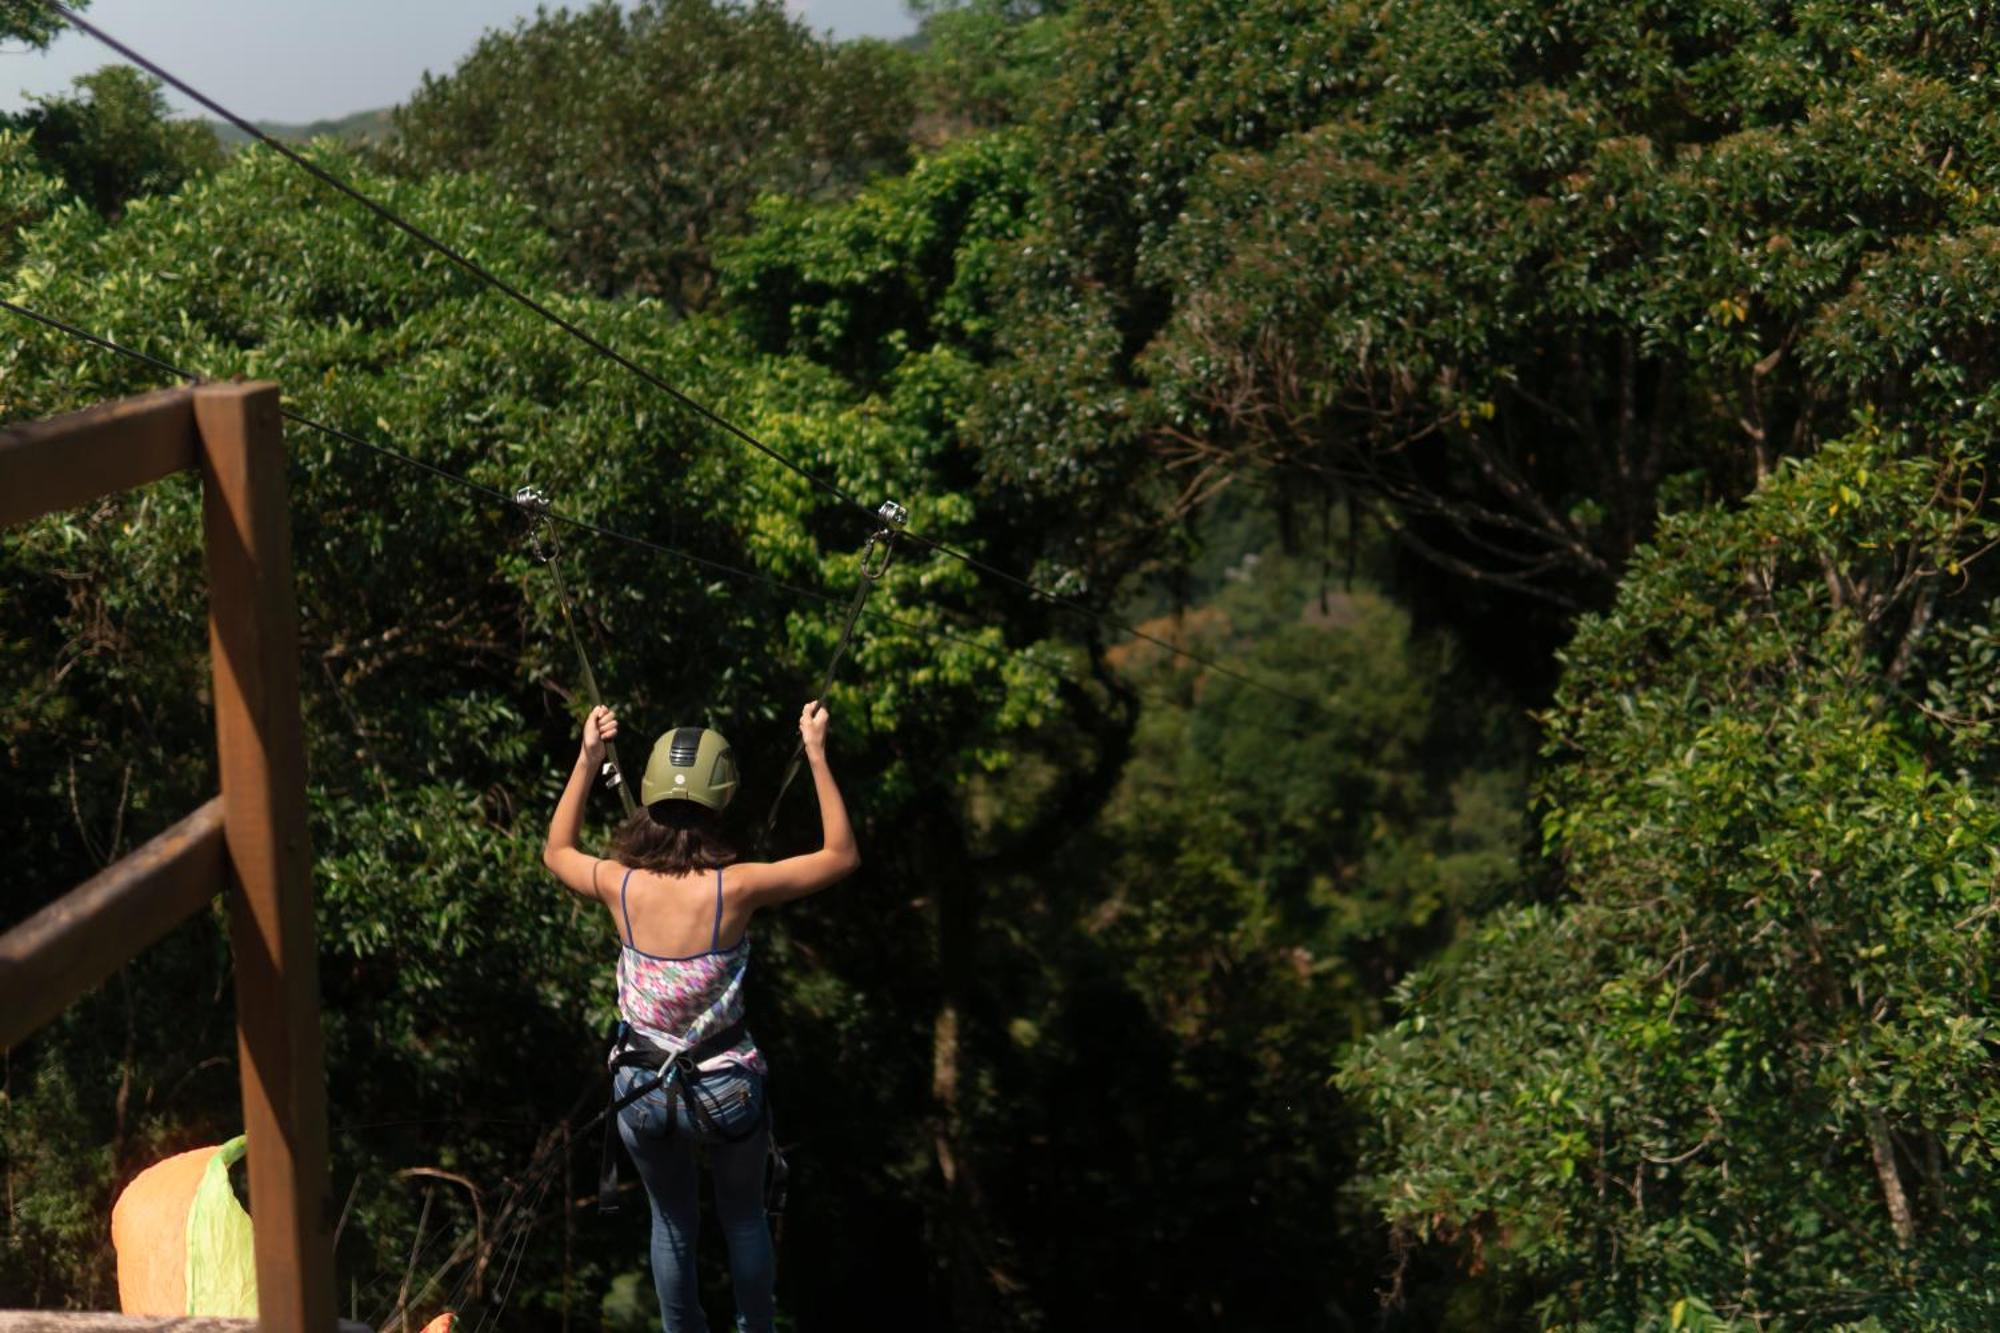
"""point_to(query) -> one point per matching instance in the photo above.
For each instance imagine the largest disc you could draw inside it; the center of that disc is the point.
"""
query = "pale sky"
(304, 60)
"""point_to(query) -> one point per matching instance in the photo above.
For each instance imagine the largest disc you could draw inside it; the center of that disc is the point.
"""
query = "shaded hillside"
(361, 127)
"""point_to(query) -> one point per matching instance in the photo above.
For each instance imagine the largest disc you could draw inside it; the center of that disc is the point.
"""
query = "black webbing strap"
(680, 1072)
(536, 506)
(825, 684)
(777, 1186)
(893, 516)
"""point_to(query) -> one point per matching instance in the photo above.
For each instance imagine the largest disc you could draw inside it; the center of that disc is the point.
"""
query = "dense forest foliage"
(1559, 890)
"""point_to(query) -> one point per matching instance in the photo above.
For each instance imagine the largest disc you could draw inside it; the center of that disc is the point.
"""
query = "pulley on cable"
(534, 504)
(876, 554)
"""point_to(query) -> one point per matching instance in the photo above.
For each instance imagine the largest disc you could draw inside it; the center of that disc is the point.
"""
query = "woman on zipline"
(682, 902)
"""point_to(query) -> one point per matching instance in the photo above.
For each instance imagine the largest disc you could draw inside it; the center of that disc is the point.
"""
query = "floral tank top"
(679, 1002)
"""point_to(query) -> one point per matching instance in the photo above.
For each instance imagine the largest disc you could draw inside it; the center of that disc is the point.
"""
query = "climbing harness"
(680, 1073)
(876, 554)
(534, 504)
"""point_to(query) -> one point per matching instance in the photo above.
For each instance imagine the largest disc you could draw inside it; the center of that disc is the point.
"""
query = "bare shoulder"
(606, 876)
(769, 883)
(581, 873)
(743, 879)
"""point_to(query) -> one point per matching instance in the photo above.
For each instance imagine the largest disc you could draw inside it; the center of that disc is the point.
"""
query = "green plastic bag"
(221, 1258)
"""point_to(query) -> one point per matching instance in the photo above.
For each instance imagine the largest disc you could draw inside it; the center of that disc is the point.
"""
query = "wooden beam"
(91, 1321)
(254, 653)
(70, 460)
(74, 943)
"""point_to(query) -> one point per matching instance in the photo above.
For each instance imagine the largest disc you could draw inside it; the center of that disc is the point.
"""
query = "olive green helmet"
(691, 764)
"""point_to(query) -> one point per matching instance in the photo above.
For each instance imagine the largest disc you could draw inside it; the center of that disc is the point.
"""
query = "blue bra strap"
(627, 911)
(715, 936)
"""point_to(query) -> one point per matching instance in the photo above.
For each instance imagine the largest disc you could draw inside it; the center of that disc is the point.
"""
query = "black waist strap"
(636, 1049)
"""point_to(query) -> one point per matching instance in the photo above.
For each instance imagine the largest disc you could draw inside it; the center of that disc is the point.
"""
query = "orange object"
(149, 1232)
(444, 1323)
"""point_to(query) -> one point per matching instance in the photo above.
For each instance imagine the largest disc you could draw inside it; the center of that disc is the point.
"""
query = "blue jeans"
(664, 1154)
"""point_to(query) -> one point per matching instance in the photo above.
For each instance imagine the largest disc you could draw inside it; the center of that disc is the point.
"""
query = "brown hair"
(672, 838)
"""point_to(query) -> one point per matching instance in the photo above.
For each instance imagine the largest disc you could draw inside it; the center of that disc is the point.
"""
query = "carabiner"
(887, 540)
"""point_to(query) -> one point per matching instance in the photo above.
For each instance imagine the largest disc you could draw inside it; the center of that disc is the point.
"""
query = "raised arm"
(575, 868)
(766, 883)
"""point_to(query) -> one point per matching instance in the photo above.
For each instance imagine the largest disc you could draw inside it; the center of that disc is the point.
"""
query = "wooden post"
(253, 640)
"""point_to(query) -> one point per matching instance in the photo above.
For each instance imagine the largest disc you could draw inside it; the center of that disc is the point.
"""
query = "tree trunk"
(1892, 1181)
(964, 1232)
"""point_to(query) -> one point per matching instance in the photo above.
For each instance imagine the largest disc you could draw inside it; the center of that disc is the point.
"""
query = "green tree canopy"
(28, 193)
(982, 63)
(1741, 1071)
(641, 136)
(1515, 275)
(112, 142)
(31, 21)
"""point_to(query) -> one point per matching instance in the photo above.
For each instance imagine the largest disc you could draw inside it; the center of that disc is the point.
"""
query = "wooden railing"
(248, 843)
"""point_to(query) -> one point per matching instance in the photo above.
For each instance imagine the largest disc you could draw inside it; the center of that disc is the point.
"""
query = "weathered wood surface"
(254, 643)
(75, 1321)
(67, 461)
(73, 944)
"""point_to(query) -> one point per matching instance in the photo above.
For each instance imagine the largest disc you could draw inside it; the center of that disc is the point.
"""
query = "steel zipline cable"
(602, 348)
(464, 261)
(509, 501)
